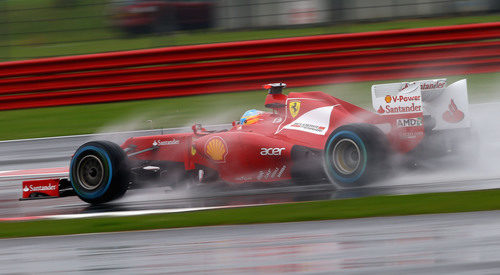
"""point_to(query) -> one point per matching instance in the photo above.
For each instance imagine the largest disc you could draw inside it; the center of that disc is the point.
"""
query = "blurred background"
(44, 28)
(33, 29)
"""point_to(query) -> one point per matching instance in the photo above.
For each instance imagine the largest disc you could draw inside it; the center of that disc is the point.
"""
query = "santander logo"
(35, 188)
(453, 114)
(47, 187)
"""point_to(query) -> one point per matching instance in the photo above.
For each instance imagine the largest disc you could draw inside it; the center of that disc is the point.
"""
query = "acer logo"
(271, 151)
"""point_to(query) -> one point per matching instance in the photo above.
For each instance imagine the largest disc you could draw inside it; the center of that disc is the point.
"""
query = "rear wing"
(447, 106)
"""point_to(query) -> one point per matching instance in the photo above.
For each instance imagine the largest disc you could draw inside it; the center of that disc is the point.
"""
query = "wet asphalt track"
(466, 243)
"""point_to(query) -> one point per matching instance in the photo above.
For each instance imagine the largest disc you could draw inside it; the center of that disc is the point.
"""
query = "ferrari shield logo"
(294, 108)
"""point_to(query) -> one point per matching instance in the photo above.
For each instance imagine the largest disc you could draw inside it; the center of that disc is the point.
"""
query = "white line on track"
(122, 213)
(19, 174)
(8, 171)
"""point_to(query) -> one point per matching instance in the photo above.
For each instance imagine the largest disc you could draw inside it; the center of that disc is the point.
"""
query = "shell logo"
(216, 149)
(388, 98)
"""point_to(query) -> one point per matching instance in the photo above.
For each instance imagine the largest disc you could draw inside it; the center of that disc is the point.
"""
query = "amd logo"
(271, 151)
(409, 122)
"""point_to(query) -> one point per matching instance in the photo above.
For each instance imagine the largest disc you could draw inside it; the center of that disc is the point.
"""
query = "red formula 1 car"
(304, 136)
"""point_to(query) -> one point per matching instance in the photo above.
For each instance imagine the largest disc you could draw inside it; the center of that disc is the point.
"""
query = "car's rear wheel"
(99, 172)
(355, 154)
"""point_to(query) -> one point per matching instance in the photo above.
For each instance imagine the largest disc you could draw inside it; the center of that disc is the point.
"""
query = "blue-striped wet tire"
(99, 172)
(355, 155)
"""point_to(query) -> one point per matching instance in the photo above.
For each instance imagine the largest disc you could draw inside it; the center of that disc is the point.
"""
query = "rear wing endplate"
(448, 106)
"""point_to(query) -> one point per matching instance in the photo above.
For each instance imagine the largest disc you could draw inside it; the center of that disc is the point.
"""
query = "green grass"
(184, 111)
(376, 206)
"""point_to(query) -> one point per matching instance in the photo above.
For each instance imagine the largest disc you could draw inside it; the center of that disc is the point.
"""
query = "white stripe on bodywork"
(316, 121)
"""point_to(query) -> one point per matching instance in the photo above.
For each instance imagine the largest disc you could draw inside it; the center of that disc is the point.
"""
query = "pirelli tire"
(355, 155)
(99, 172)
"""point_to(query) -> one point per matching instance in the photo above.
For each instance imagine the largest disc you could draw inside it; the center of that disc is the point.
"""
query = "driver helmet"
(250, 117)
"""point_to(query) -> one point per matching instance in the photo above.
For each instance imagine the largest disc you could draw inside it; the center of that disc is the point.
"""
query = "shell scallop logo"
(388, 98)
(216, 149)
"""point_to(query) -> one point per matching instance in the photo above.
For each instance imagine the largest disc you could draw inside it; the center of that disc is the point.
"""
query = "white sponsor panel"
(448, 106)
(430, 89)
(451, 109)
(408, 101)
(316, 121)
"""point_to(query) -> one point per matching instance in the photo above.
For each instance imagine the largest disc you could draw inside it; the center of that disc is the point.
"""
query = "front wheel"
(99, 172)
(355, 154)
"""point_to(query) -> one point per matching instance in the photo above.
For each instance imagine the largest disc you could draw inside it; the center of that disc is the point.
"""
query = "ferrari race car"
(304, 136)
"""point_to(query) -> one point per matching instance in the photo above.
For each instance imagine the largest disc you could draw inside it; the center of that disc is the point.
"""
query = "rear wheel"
(355, 154)
(99, 172)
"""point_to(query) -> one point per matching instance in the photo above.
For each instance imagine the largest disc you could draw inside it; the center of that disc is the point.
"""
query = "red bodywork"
(262, 152)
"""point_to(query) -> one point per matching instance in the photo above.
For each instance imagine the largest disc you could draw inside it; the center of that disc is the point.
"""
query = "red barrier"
(299, 61)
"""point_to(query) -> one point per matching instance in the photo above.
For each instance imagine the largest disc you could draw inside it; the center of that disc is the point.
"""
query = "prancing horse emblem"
(294, 108)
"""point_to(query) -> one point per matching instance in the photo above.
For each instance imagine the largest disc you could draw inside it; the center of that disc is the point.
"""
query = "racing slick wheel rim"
(346, 156)
(90, 172)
